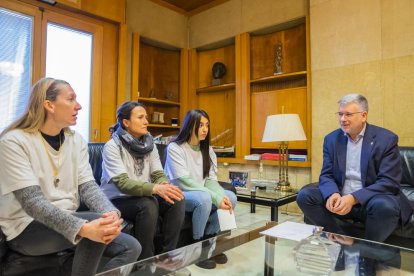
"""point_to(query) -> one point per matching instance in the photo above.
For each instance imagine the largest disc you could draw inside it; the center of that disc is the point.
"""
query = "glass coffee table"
(250, 253)
(271, 198)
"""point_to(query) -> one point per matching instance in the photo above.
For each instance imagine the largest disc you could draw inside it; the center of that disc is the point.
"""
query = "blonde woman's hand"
(114, 222)
(103, 230)
(113, 214)
(168, 192)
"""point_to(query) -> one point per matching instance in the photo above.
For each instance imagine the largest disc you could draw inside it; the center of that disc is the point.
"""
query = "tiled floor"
(245, 218)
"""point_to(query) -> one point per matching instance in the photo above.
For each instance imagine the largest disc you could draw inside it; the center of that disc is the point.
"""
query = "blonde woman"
(44, 175)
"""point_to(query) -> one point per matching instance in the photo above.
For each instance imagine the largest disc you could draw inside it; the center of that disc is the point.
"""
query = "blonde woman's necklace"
(55, 168)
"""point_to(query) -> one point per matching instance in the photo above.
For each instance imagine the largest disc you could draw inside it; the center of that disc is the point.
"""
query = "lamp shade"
(283, 127)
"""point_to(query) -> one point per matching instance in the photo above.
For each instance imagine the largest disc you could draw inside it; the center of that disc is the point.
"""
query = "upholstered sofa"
(403, 236)
(13, 263)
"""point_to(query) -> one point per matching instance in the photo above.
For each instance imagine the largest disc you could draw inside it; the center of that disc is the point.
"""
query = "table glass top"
(267, 194)
(250, 253)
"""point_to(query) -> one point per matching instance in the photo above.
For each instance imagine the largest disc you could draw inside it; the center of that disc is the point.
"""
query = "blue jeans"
(38, 239)
(201, 205)
(381, 214)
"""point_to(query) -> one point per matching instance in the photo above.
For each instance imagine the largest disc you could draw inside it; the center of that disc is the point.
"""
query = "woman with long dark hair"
(191, 164)
(133, 178)
(44, 175)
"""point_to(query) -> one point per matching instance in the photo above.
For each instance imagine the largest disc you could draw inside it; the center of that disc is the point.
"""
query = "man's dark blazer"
(380, 167)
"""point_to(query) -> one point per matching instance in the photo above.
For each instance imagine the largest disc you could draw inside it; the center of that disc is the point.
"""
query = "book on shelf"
(273, 156)
(223, 149)
(252, 157)
(298, 157)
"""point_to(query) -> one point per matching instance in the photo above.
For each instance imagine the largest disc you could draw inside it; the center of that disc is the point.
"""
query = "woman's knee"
(148, 208)
(124, 245)
(179, 207)
(134, 247)
(232, 197)
(198, 200)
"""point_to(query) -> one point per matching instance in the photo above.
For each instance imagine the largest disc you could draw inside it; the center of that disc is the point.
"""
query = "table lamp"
(283, 128)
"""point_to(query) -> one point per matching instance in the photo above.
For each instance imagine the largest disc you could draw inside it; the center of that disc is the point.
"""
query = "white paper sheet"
(227, 221)
(291, 230)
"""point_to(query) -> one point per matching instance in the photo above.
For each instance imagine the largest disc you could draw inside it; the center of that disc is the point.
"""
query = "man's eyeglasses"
(347, 114)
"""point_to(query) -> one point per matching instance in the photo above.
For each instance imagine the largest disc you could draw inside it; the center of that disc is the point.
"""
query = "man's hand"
(340, 239)
(332, 201)
(226, 204)
(168, 192)
(344, 205)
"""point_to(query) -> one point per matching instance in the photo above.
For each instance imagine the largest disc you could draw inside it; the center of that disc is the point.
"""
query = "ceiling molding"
(170, 6)
(198, 6)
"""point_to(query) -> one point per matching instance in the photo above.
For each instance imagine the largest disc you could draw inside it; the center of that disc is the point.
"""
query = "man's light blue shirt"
(353, 164)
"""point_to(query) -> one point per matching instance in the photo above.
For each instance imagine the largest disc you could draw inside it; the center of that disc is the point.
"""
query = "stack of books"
(275, 157)
(223, 149)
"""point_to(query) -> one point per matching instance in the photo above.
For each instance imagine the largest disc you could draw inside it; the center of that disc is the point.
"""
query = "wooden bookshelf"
(217, 88)
(163, 126)
(159, 75)
(157, 101)
(219, 101)
(294, 75)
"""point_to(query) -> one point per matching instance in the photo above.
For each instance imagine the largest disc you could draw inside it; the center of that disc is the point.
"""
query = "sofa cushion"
(3, 246)
(95, 159)
(407, 163)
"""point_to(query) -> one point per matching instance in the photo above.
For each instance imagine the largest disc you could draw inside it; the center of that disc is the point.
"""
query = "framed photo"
(240, 180)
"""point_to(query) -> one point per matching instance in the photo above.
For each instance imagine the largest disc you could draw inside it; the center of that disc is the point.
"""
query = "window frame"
(96, 74)
(43, 14)
(34, 12)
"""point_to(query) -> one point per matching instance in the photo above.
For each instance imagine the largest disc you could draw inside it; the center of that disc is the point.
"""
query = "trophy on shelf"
(278, 61)
(152, 93)
(169, 96)
(157, 117)
(218, 71)
(161, 117)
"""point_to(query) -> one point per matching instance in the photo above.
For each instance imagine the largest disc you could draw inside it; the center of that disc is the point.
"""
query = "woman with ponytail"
(133, 179)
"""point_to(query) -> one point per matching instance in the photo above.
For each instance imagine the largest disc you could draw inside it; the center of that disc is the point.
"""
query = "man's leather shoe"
(207, 264)
(220, 258)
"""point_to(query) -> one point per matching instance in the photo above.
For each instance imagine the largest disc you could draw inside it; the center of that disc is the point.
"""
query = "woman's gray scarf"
(137, 147)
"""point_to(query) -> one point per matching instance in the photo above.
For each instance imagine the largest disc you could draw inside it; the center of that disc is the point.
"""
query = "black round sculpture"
(219, 70)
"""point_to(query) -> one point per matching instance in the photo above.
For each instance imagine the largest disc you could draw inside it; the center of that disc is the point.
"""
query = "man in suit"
(360, 177)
